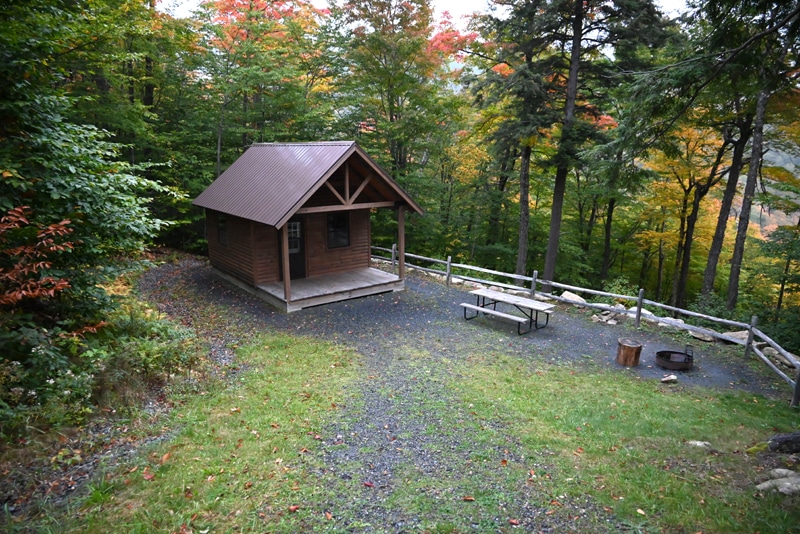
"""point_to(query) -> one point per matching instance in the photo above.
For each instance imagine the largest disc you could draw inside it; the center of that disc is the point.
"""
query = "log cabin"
(290, 222)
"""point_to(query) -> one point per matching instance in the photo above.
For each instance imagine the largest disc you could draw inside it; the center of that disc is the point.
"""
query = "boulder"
(701, 336)
(645, 312)
(769, 352)
(740, 335)
(573, 298)
(674, 323)
(783, 481)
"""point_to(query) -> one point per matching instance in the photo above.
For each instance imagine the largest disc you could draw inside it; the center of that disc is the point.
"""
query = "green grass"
(624, 441)
(238, 460)
(243, 456)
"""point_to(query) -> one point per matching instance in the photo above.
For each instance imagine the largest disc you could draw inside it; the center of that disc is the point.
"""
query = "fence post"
(639, 302)
(533, 283)
(394, 256)
(796, 395)
(750, 335)
(449, 261)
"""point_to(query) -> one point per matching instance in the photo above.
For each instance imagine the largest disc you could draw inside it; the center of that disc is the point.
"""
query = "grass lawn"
(248, 457)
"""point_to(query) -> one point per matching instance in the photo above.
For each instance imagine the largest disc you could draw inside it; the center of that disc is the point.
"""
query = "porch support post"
(401, 240)
(287, 282)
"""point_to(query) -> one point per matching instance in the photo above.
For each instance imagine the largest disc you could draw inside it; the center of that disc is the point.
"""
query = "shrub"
(619, 286)
(51, 377)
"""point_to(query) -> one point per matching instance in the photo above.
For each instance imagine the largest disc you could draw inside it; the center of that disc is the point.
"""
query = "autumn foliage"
(23, 266)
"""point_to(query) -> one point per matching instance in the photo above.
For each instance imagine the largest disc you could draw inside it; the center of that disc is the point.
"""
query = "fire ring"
(675, 360)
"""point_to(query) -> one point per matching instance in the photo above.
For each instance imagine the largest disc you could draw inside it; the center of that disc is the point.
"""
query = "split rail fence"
(754, 344)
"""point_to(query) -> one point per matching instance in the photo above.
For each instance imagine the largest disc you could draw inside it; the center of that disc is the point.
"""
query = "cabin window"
(222, 229)
(338, 230)
(295, 231)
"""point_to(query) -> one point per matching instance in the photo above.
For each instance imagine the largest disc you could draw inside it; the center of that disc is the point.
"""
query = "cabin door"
(297, 249)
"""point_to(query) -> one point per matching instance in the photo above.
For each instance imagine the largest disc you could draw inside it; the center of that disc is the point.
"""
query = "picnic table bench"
(487, 300)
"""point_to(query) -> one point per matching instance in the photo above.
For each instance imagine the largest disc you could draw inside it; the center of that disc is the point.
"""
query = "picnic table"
(487, 300)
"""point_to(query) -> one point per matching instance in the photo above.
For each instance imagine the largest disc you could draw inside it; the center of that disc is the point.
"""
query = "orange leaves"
(22, 278)
(503, 69)
(468, 498)
(147, 474)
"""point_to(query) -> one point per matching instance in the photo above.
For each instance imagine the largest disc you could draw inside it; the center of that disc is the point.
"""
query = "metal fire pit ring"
(675, 360)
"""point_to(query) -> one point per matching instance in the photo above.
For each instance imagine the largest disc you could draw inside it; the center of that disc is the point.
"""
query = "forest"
(601, 143)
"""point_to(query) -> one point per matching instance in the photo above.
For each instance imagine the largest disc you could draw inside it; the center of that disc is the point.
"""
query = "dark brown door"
(297, 249)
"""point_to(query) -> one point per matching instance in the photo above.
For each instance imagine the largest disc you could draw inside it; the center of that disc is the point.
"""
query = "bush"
(50, 377)
(619, 286)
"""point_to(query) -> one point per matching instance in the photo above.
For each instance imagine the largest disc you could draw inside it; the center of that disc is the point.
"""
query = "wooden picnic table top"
(513, 299)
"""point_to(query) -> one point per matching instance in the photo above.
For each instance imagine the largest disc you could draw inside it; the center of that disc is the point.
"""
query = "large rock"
(701, 336)
(783, 481)
(573, 298)
(777, 356)
(674, 323)
(645, 312)
(740, 335)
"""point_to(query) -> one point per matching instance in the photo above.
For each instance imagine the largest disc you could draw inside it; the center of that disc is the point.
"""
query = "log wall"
(266, 254)
(233, 255)
(322, 260)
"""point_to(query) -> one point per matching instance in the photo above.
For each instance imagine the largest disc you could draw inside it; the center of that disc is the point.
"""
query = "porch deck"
(327, 288)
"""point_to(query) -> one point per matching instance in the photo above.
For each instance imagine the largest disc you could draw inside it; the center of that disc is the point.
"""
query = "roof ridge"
(306, 143)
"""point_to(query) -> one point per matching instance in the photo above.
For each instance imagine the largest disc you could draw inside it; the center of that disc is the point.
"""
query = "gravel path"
(412, 343)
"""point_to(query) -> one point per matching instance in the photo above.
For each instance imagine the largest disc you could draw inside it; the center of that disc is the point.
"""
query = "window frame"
(337, 235)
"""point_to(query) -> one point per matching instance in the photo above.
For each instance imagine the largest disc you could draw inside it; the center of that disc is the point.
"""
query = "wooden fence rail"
(755, 336)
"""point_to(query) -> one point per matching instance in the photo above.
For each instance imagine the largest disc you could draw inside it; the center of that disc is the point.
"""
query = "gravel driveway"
(427, 315)
(380, 437)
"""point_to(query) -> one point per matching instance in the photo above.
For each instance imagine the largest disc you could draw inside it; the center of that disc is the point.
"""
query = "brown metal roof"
(271, 181)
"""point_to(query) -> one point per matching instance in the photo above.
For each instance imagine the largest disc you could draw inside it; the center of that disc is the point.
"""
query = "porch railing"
(450, 270)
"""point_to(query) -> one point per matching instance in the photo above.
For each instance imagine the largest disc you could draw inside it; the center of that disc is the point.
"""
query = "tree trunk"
(786, 268)
(686, 253)
(700, 191)
(496, 196)
(661, 259)
(679, 253)
(560, 185)
(737, 162)
(747, 200)
(524, 211)
(606, 266)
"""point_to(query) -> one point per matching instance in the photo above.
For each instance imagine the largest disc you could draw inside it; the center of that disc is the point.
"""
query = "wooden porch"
(327, 288)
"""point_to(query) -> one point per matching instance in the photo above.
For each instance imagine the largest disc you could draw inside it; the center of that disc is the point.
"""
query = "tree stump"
(628, 352)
